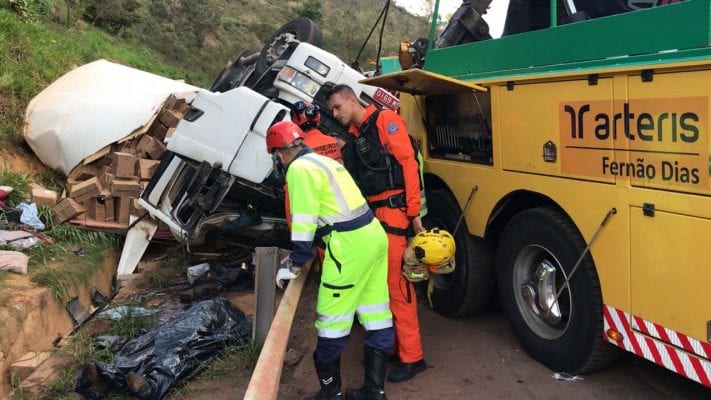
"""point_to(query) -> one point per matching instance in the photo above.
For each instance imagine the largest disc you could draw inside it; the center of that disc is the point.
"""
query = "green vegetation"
(34, 54)
(74, 254)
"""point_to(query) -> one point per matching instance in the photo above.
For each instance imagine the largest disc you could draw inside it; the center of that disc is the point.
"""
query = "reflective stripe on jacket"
(324, 197)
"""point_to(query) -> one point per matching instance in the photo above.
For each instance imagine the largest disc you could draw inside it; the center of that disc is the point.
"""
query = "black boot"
(405, 371)
(375, 363)
(329, 377)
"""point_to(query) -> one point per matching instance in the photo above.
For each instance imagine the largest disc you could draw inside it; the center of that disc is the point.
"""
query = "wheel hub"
(279, 45)
(539, 291)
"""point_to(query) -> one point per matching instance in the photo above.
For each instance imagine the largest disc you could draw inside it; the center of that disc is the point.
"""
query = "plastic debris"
(564, 376)
(121, 312)
(20, 239)
(196, 272)
(30, 216)
(13, 261)
(156, 361)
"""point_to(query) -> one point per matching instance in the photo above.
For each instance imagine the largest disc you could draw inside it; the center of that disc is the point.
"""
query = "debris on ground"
(30, 216)
(13, 261)
(20, 239)
(121, 312)
(149, 365)
(196, 272)
(564, 376)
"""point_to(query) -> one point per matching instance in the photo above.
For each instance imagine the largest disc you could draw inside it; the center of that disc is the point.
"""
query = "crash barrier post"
(266, 261)
(264, 384)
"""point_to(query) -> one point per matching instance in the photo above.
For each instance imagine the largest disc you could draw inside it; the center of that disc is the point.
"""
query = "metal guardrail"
(264, 384)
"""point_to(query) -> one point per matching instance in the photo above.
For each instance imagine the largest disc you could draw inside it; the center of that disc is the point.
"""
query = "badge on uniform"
(392, 128)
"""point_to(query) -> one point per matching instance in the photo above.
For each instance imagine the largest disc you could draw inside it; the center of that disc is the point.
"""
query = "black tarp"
(172, 352)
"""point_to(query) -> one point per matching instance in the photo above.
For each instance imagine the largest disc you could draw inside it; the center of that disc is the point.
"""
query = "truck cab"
(217, 173)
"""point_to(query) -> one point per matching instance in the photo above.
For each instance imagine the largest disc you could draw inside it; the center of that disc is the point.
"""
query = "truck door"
(558, 128)
(671, 204)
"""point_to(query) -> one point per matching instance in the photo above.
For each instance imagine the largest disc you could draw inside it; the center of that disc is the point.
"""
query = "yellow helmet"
(434, 247)
(412, 269)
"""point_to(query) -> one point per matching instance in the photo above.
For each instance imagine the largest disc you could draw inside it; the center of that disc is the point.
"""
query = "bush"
(31, 9)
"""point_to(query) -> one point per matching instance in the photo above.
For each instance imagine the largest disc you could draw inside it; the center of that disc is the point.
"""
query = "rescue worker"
(382, 161)
(308, 117)
(326, 204)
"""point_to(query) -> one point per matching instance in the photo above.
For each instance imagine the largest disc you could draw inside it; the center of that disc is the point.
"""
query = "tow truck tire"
(470, 288)
(569, 339)
(303, 28)
(233, 72)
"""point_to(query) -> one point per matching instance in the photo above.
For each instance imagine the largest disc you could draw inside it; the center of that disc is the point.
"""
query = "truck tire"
(537, 251)
(304, 29)
(234, 73)
(470, 288)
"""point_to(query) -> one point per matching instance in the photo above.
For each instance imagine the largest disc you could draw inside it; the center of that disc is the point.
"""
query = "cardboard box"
(158, 131)
(83, 172)
(41, 195)
(101, 208)
(123, 165)
(151, 147)
(83, 191)
(146, 169)
(129, 147)
(125, 188)
(108, 200)
(176, 103)
(95, 209)
(67, 209)
(170, 118)
(122, 209)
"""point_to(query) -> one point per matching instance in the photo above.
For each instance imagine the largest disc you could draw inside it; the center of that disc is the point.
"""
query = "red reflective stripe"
(653, 349)
(700, 371)
(641, 326)
(678, 366)
(630, 334)
(685, 343)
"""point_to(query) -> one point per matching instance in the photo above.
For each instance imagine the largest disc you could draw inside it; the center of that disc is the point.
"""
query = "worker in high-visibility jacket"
(383, 162)
(326, 203)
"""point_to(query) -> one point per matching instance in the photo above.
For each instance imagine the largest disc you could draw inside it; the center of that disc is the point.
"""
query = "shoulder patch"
(392, 128)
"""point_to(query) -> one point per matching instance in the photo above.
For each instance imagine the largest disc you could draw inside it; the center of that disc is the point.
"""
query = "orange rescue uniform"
(325, 145)
(403, 304)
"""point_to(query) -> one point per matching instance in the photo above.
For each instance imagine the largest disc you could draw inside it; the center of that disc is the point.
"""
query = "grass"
(18, 181)
(57, 266)
(229, 364)
(35, 53)
(171, 267)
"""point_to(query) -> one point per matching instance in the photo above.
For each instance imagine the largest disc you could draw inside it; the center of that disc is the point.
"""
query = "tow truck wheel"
(235, 73)
(470, 288)
(537, 251)
(301, 29)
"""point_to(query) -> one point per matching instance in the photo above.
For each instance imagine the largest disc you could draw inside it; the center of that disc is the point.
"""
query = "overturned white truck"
(216, 173)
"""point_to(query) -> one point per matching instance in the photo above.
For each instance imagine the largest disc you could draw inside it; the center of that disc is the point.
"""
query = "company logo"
(653, 142)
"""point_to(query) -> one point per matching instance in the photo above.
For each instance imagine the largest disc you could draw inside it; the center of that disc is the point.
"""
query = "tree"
(310, 9)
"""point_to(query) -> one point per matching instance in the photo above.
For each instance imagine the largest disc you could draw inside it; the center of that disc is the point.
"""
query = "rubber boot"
(375, 363)
(329, 377)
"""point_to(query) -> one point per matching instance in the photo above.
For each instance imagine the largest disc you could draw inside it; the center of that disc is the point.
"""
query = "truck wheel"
(234, 74)
(470, 288)
(537, 251)
(301, 29)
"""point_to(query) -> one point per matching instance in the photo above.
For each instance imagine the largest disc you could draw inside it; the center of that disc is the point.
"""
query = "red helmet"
(283, 134)
(306, 115)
